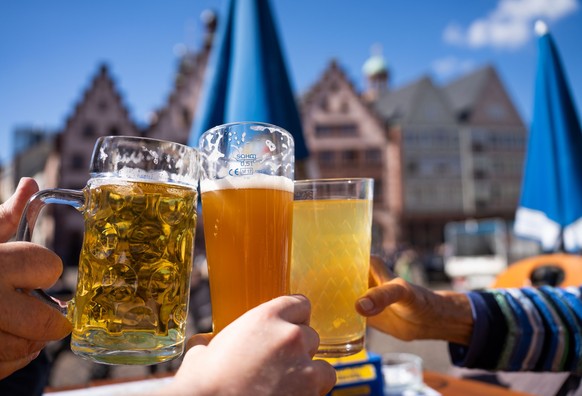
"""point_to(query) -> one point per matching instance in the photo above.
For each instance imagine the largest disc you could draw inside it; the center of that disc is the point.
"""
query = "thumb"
(377, 298)
(11, 210)
(199, 339)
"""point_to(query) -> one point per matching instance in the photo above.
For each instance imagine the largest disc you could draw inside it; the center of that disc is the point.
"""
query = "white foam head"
(258, 180)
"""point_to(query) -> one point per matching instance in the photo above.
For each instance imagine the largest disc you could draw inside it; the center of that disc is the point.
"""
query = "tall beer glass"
(247, 207)
(133, 284)
(332, 225)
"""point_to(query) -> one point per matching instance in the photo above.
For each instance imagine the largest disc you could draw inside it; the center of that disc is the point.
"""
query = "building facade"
(436, 153)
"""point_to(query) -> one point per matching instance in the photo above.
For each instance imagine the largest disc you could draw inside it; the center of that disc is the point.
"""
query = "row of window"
(90, 130)
(336, 131)
(369, 157)
(481, 139)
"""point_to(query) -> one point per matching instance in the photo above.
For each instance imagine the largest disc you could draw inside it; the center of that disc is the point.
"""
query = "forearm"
(454, 318)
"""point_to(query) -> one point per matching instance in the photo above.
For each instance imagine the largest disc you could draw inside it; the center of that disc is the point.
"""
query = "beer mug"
(139, 209)
(246, 185)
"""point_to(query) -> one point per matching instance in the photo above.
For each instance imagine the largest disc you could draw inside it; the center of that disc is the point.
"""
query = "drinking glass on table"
(139, 210)
(247, 205)
(401, 374)
(332, 224)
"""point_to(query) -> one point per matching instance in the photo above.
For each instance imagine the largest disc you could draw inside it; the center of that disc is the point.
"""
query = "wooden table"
(444, 384)
(452, 386)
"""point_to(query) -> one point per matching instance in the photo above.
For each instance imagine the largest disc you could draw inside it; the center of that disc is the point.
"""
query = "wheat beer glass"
(332, 225)
(246, 186)
(139, 209)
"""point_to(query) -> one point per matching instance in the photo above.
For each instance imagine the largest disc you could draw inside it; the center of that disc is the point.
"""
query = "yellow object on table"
(359, 374)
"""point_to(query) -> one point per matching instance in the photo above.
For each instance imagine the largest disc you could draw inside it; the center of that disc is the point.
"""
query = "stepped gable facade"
(100, 112)
(346, 138)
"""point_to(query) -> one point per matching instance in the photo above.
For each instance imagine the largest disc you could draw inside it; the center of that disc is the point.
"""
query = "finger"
(377, 298)
(311, 339)
(14, 348)
(326, 374)
(27, 265)
(31, 318)
(199, 339)
(7, 368)
(294, 309)
(11, 210)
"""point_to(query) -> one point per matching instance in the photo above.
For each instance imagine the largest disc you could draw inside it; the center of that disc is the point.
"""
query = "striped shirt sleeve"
(528, 329)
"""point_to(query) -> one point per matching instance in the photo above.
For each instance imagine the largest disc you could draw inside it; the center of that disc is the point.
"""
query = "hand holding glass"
(139, 207)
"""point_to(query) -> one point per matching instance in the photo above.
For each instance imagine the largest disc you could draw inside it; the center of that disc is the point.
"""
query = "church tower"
(377, 74)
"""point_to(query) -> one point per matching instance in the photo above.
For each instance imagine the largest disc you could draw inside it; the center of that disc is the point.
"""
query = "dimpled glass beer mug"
(332, 227)
(139, 209)
(246, 186)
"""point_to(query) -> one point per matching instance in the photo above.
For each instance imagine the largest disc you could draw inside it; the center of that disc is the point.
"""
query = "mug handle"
(35, 204)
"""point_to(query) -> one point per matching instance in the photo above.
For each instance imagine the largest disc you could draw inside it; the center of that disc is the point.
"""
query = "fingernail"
(33, 356)
(366, 304)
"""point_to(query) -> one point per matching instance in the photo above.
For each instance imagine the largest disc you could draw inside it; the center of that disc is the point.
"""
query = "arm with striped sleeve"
(528, 329)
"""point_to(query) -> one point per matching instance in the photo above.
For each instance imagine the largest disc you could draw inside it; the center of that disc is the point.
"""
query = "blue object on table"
(550, 210)
(246, 77)
(359, 377)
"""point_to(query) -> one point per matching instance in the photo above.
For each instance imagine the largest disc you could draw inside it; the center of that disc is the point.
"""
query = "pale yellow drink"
(134, 271)
(329, 265)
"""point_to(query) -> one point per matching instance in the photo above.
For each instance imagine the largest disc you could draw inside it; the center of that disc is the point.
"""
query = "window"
(186, 117)
(348, 130)
(373, 156)
(349, 156)
(344, 108)
(323, 131)
(479, 174)
(77, 161)
(412, 167)
(341, 130)
(378, 189)
(102, 106)
(326, 158)
(89, 130)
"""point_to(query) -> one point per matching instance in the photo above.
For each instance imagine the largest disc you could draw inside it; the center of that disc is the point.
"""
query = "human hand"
(267, 351)
(26, 324)
(410, 312)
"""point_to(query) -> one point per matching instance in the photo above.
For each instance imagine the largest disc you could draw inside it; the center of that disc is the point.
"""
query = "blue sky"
(50, 50)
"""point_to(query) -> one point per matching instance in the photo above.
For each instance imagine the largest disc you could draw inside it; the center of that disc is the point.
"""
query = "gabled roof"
(418, 102)
(464, 92)
(103, 78)
(332, 70)
(395, 105)
(333, 74)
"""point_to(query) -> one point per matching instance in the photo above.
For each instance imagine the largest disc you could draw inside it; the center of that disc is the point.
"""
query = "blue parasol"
(550, 209)
(246, 78)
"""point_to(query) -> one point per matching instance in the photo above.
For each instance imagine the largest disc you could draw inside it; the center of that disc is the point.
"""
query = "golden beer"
(330, 263)
(247, 228)
(134, 271)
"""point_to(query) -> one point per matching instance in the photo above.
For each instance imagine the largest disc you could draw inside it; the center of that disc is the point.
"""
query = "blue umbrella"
(550, 209)
(246, 78)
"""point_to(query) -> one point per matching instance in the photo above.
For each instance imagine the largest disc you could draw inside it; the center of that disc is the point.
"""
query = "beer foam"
(258, 180)
(140, 175)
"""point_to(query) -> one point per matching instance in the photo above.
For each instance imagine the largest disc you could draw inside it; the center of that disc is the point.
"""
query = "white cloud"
(509, 25)
(450, 66)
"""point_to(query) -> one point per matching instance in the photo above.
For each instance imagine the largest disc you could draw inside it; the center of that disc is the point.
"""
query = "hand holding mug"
(26, 324)
(139, 210)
